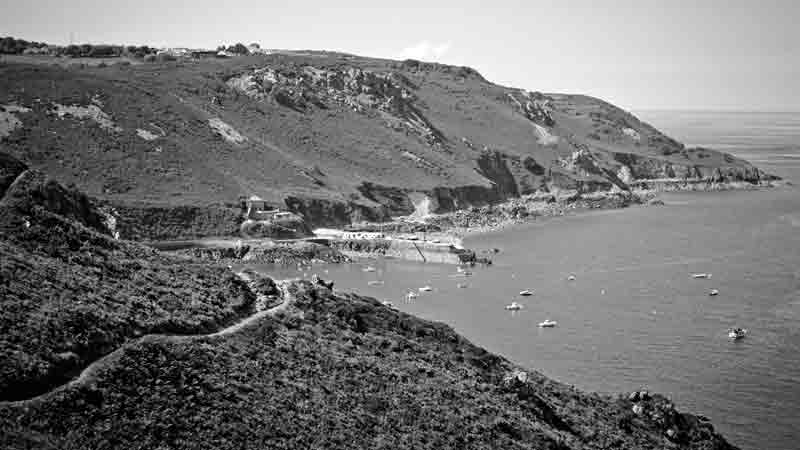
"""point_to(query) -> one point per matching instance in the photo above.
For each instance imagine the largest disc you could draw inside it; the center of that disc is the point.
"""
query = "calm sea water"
(634, 317)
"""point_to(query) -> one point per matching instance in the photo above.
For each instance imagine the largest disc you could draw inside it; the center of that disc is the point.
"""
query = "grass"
(341, 371)
(71, 293)
(332, 370)
(325, 160)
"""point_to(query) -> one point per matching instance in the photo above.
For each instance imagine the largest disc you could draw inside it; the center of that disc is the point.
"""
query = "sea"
(633, 317)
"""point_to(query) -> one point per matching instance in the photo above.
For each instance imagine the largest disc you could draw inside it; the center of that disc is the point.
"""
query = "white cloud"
(425, 51)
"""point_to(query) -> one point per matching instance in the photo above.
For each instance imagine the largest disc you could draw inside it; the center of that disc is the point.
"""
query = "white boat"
(411, 295)
(713, 292)
(571, 278)
(737, 333)
(514, 306)
(375, 283)
(425, 289)
(701, 275)
(548, 323)
(526, 293)
(369, 269)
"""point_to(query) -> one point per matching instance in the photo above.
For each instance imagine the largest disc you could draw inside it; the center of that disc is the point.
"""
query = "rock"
(644, 395)
(517, 376)
(634, 396)
(672, 434)
(320, 282)
(638, 409)
(67, 357)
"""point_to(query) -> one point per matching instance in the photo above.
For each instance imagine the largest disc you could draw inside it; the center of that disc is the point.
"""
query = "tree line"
(12, 46)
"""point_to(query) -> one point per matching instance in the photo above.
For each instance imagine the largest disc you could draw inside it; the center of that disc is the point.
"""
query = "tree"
(72, 50)
(239, 49)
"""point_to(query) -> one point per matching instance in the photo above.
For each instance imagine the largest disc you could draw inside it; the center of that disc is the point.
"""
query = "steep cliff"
(335, 138)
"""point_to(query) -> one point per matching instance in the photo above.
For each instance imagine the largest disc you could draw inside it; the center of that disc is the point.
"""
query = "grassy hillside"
(71, 293)
(334, 137)
(338, 371)
(321, 370)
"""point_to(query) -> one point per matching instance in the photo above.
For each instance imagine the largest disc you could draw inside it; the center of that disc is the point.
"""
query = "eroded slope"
(334, 137)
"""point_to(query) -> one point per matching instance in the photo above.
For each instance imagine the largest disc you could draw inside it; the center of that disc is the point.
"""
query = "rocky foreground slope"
(336, 138)
(329, 370)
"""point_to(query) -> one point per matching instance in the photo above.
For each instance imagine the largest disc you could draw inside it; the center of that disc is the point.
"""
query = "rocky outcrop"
(530, 207)
(637, 167)
(285, 226)
(534, 106)
(289, 254)
(32, 189)
(153, 223)
(384, 95)
(320, 212)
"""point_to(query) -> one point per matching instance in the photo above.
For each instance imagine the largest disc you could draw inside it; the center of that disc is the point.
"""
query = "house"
(200, 54)
(257, 208)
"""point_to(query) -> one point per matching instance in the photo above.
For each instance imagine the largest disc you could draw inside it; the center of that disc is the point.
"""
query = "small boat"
(737, 333)
(461, 286)
(571, 278)
(425, 289)
(701, 275)
(411, 295)
(548, 323)
(369, 269)
(375, 283)
(526, 293)
(514, 306)
(713, 292)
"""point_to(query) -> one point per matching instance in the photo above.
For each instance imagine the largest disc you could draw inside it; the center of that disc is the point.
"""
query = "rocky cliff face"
(334, 138)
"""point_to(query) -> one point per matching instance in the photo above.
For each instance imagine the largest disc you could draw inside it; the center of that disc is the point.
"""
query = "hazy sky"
(642, 54)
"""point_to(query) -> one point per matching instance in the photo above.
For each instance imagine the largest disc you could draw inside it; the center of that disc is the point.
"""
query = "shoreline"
(450, 227)
(533, 207)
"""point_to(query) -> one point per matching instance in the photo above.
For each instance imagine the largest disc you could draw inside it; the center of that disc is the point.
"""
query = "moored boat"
(737, 333)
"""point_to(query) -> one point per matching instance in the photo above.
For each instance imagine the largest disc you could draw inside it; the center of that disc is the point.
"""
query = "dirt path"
(89, 374)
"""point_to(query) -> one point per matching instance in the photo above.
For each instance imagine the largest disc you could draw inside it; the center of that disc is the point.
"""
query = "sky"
(641, 55)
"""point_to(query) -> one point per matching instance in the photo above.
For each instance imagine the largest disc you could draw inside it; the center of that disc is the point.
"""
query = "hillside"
(70, 293)
(319, 370)
(331, 136)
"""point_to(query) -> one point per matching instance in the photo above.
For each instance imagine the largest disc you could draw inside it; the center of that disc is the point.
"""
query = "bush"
(165, 57)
